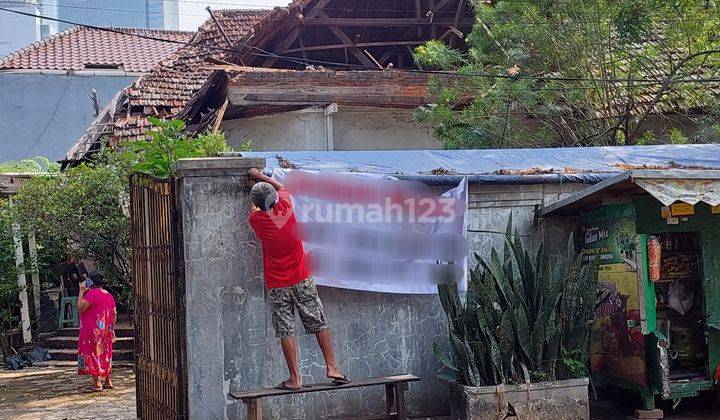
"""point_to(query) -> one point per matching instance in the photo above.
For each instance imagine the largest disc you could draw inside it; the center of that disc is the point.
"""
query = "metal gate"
(159, 299)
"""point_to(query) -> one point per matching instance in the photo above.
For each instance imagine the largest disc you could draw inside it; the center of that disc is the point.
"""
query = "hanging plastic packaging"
(654, 250)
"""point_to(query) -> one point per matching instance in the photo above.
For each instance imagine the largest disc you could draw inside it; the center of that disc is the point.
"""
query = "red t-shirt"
(283, 253)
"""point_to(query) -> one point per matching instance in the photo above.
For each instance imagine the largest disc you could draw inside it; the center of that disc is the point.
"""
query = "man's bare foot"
(108, 384)
(291, 384)
(336, 376)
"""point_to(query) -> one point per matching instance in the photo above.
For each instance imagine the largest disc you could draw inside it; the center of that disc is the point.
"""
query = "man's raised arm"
(258, 176)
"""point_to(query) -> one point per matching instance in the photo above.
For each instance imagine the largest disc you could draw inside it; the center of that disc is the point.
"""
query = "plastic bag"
(679, 299)
(37, 354)
(15, 362)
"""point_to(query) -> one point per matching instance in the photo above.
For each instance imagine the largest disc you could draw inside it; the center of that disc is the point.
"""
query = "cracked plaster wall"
(231, 343)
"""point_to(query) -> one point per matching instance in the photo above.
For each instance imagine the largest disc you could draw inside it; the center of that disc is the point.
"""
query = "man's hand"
(83, 287)
(254, 173)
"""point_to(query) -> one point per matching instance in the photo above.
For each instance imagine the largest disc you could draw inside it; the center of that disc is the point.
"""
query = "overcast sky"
(193, 13)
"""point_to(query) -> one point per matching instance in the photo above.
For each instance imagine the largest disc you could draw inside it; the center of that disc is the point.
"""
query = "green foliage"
(35, 165)
(82, 213)
(676, 136)
(246, 146)
(573, 73)
(435, 54)
(525, 318)
(9, 289)
(168, 143)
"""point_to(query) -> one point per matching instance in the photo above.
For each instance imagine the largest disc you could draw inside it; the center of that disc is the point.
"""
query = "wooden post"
(34, 274)
(400, 389)
(390, 400)
(254, 408)
(22, 283)
(329, 136)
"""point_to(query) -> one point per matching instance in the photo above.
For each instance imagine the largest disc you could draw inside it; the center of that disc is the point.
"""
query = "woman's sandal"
(340, 380)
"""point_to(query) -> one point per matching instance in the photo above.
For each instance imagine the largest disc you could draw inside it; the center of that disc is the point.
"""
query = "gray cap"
(263, 195)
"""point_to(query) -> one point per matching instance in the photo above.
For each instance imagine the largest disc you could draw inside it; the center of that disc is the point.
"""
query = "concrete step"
(67, 342)
(71, 354)
(122, 331)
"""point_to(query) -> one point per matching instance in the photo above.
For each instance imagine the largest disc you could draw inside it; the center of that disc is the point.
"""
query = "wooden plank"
(375, 22)
(373, 58)
(342, 36)
(359, 383)
(418, 15)
(254, 409)
(400, 401)
(359, 45)
(390, 399)
(219, 117)
(296, 32)
(442, 5)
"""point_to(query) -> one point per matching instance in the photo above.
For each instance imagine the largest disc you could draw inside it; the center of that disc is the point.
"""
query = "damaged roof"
(81, 49)
(316, 86)
(332, 33)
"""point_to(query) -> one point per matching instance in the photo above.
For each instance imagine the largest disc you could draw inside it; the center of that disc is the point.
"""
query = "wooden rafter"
(342, 36)
(376, 22)
(296, 32)
(371, 39)
(418, 15)
(359, 45)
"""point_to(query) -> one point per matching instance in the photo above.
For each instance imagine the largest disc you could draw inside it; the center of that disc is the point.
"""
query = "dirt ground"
(54, 393)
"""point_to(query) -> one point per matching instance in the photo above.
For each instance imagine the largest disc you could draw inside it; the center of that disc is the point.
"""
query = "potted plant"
(519, 343)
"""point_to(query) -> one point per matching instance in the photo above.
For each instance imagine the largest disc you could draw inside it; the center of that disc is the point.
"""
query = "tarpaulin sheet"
(349, 251)
(691, 191)
(581, 163)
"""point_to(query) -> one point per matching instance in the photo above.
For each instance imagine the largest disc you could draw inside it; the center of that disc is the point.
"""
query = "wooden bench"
(395, 387)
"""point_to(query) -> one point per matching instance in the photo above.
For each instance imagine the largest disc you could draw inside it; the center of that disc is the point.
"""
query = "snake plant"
(525, 318)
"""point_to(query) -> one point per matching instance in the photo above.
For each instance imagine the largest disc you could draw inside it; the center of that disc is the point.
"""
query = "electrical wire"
(305, 61)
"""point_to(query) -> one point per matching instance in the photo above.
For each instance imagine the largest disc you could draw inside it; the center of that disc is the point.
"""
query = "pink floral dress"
(95, 341)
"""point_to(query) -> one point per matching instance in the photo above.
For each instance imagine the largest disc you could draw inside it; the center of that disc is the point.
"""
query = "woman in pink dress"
(97, 331)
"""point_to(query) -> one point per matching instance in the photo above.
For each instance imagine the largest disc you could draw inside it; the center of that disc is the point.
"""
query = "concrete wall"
(353, 128)
(17, 31)
(231, 344)
(43, 115)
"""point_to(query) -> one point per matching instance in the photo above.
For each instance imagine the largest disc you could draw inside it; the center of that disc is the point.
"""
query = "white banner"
(690, 191)
(374, 233)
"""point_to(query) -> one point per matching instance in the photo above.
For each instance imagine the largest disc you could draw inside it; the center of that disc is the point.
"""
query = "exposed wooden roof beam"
(380, 22)
(342, 36)
(373, 59)
(418, 15)
(359, 45)
(296, 32)
(442, 5)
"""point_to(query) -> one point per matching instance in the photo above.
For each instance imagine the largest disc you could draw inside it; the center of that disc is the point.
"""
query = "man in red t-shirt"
(290, 285)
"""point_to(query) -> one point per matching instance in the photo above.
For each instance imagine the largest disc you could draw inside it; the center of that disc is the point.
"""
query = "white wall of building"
(17, 31)
(352, 128)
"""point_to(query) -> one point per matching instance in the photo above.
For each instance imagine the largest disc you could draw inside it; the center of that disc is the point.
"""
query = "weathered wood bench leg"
(400, 389)
(395, 399)
(254, 408)
(390, 400)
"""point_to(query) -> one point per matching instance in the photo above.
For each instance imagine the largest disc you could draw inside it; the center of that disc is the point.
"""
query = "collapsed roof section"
(307, 35)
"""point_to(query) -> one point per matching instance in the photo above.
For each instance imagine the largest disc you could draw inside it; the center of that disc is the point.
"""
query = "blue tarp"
(576, 164)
